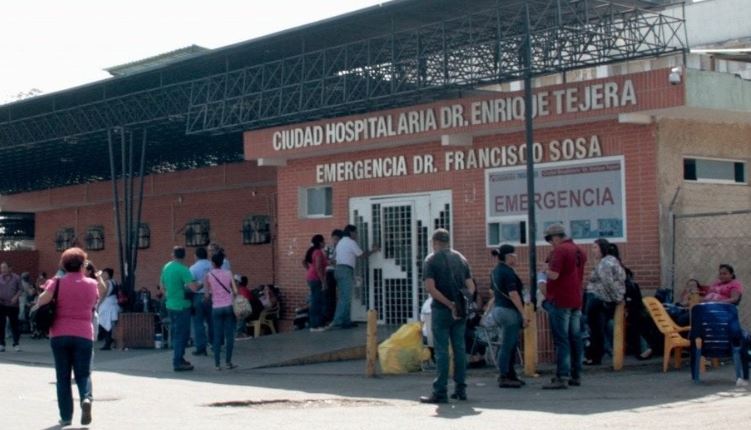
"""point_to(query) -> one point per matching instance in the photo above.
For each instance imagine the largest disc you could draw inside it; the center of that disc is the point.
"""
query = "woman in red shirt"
(315, 264)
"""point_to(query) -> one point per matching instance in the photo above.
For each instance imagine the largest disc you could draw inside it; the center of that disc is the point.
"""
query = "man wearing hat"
(446, 272)
(563, 297)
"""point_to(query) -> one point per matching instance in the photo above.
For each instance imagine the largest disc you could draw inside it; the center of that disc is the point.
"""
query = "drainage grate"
(297, 404)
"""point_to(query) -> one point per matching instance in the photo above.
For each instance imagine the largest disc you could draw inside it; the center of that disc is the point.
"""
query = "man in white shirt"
(347, 251)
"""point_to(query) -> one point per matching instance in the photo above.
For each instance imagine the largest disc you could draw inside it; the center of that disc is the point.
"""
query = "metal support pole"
(531, 222)
(530, 333)
(137, 227)
(116, 205)
(126, 209)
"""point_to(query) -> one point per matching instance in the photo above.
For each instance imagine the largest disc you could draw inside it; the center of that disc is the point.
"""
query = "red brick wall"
(635, 142)
(21, 261)
(224, 195)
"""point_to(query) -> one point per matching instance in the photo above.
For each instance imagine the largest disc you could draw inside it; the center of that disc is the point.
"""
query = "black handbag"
(44, 316)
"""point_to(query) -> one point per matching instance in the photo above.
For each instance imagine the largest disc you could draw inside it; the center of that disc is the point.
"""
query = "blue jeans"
(180, 331)
(599, 314)
(509, 322)
(71, 353)
(566, 326)
(224, 327)
(345, 280)
(315, 310)
(201, 319)
(448, 330)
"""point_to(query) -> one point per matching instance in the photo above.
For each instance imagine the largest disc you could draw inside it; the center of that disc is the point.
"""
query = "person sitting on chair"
(475, 348)
(262, 297)
(679, 311)
(727, 289)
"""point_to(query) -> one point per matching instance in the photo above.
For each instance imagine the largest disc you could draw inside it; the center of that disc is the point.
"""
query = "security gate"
(391, 280)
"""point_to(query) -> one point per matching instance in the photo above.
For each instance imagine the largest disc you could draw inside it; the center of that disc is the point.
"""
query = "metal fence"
(704, 241)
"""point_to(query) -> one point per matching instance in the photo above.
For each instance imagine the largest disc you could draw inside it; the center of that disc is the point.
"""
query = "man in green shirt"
(176, 281)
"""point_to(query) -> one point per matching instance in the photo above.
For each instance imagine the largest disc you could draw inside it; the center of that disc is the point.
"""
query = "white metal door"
(391, 280)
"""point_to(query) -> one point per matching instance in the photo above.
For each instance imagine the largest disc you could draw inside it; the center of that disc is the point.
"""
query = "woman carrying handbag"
(72, 332)
(221, 289)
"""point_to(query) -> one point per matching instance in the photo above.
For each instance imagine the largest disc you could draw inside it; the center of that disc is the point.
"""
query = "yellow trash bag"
(403, 351)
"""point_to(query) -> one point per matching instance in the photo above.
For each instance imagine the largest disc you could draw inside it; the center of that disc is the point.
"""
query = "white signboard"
(587, 197)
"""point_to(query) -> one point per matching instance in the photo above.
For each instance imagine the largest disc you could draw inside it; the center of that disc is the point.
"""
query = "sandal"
(646, 355)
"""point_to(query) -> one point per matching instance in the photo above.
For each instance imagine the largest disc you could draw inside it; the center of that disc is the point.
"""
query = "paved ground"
(134, 390)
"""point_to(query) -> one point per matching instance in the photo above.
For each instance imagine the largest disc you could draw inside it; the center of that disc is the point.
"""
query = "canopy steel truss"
(197, 122)
(478, 48)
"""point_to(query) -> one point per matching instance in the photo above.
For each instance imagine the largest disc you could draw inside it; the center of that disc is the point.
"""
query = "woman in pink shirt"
(726, 289)
(315, 274)
(222, 289)
(72, 332)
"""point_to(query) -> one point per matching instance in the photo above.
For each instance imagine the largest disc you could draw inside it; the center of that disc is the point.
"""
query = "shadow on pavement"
(636, 387)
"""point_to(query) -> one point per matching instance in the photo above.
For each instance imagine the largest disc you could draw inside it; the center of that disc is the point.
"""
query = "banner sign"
(586, 197)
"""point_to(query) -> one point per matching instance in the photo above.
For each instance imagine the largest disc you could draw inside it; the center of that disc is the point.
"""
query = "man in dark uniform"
(446, 273)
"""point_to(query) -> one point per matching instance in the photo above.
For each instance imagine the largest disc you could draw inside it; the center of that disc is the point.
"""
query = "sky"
(52, 45)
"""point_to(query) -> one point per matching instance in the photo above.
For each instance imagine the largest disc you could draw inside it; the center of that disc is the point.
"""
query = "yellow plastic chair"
(267, 318)
(670, 330)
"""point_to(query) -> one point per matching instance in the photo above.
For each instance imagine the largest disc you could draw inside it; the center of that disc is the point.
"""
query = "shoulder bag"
(240, 305)
(44, 316)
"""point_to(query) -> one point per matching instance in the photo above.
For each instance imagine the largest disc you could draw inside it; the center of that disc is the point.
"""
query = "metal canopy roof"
(396, 54)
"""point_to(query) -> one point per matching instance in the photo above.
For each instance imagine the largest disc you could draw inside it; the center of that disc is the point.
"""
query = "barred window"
(64, 238)
(144, 236)
(256, 230)
(94, 238)
(197, 232)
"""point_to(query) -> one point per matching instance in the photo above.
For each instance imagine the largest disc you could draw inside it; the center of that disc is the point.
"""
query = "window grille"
(256, 230)
(94, 238)
(64, 239)
(197, 232)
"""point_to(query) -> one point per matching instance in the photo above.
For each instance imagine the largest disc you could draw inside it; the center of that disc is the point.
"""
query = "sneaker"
(575, 382)
(17, 348)
(218, 368)
(183, 367)
(741, 383)
(433, 399)
(556, 384)
(230, 366)
(459, 396)
(86, 412)
(64, 423)
(509, 383)
(515, 377)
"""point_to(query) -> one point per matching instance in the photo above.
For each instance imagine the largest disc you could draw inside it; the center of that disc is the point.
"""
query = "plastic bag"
(403, 351)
